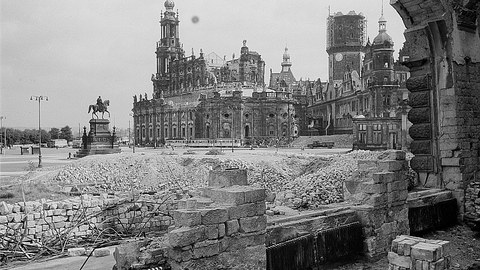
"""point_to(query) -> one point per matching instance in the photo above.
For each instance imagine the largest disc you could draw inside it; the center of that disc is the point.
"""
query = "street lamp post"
(5, 134)
(39, 99)
(133, 135)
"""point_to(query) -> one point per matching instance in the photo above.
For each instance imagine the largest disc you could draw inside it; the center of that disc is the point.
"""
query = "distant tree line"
(31, 136)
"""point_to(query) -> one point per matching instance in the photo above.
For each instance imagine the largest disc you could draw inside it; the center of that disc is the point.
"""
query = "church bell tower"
(168, 48)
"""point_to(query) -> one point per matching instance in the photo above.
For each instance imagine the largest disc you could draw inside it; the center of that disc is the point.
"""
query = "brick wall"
(83, 216)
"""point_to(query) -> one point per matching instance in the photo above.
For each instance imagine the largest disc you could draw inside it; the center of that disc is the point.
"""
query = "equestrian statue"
(101, 106)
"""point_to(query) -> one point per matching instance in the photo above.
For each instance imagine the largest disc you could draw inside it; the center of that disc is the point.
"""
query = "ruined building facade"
(365, 90)
(208, 98)
(444, 86)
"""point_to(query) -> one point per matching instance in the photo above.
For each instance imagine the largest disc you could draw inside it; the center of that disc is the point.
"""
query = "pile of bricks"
(416, 253)
(227, 218)
(378, 191)
(80, 216)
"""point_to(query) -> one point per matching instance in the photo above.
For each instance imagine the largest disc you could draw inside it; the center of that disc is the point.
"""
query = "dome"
(169, 4)
(381, 38)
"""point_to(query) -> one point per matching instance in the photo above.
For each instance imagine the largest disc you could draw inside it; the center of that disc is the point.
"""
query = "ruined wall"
(378, 192)
(82, 216)
(224, 227)
(444, 63)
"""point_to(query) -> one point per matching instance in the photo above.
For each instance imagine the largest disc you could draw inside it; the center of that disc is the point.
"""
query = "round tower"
(286, 64)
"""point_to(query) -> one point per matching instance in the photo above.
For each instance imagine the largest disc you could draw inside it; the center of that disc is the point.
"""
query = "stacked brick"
(80, 216)
(224, 227)
(379, 193)
(416, 253)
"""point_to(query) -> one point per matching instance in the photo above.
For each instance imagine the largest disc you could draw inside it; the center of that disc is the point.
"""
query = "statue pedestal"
(99, 140)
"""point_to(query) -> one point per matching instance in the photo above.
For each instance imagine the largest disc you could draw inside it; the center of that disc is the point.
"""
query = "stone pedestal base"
(99, 140)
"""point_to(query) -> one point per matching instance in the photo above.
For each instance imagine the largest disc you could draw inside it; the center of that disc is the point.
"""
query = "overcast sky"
(75, 50)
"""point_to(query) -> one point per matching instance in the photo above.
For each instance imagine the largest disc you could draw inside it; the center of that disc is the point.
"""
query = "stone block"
(227, 178)
(180, 255)
(185, 236)
(452, 162)
(426, 252)
(231, 227)
(383, 177)
(3, 219)
(241, 211)
(243, 241)
(221, 230)
(255, 195)
(392, 165)
(377, 200)
(187, 218)
(439, 265)
(206, 249)
(101, 252)
(191, 204)
(58, 212)
(253, 224)
(401, 261)
(394, 155)
(211, 231)
(182, 204)
(72, 252)
(203, 202)
(5, 208)
(214, 216)
(371, 188)
(365, 165)
(407, 246)
(229, 195)
(261, 208)
(17, 217)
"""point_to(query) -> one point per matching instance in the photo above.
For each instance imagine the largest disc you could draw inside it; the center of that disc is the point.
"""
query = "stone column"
(378, 190)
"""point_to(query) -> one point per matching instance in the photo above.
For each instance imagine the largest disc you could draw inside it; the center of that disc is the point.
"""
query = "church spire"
(286, 64)
(382, 23)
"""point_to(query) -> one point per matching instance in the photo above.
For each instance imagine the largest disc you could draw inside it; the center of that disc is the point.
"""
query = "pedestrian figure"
(69, 155)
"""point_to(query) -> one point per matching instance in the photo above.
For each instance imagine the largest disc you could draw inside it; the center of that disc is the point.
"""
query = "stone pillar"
(378, 190)
(224, 228)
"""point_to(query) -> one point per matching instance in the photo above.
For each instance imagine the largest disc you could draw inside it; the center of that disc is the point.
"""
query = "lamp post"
(133, 132)
(5, 134)
(39, 99)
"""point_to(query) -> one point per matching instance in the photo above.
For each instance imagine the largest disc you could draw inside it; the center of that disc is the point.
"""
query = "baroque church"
(208, 99)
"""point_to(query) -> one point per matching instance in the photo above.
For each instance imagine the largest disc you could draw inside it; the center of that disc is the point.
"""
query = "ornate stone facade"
(365, 86)
(207, 98)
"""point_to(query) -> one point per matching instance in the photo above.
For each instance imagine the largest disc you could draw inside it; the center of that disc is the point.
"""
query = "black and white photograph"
(243, 135)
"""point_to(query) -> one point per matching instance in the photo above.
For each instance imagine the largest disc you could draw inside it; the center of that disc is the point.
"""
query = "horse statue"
(99, 108)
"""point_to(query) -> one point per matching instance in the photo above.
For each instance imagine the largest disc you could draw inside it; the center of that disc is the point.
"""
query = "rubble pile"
(297, 181)
(322, 185)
